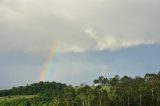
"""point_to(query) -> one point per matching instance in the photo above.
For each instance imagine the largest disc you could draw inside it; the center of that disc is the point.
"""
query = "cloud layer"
(36, 26)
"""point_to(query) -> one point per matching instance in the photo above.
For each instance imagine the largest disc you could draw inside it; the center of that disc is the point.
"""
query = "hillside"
(12, 98)
(34, 89)
(116, 91)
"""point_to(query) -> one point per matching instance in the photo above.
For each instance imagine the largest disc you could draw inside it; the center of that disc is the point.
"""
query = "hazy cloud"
(35, 26)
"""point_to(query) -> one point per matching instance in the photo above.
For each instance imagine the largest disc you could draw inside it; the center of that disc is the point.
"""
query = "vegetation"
(116, 91)
(12, 98)
(52, 88)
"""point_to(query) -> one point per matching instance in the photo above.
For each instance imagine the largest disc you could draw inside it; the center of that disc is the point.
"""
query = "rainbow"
(47, 65)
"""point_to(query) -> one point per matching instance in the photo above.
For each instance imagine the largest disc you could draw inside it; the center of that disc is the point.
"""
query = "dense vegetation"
(116, 91)
(52, 88)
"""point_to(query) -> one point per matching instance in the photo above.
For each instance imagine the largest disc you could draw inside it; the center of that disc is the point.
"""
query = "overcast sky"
(91, 38)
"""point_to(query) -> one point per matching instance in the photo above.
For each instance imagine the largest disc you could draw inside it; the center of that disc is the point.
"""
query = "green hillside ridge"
(116, 91)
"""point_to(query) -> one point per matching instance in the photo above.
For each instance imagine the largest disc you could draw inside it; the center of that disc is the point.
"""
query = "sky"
(89, 38)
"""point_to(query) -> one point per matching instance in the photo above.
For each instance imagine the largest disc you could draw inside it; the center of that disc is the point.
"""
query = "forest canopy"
(116, 91)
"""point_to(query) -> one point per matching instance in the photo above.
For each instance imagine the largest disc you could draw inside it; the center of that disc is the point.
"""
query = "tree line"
(116, 91)
(53, 88)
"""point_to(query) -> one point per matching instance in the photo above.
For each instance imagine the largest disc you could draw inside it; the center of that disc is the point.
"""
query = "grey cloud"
(33, 26)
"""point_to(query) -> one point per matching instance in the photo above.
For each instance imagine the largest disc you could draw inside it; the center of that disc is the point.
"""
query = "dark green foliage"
(116, 91)
(46, 88)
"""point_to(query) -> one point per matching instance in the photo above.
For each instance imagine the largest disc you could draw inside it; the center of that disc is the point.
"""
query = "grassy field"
(10, 98)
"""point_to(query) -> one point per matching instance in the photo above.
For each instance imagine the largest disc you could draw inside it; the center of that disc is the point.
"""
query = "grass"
(11, 98)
